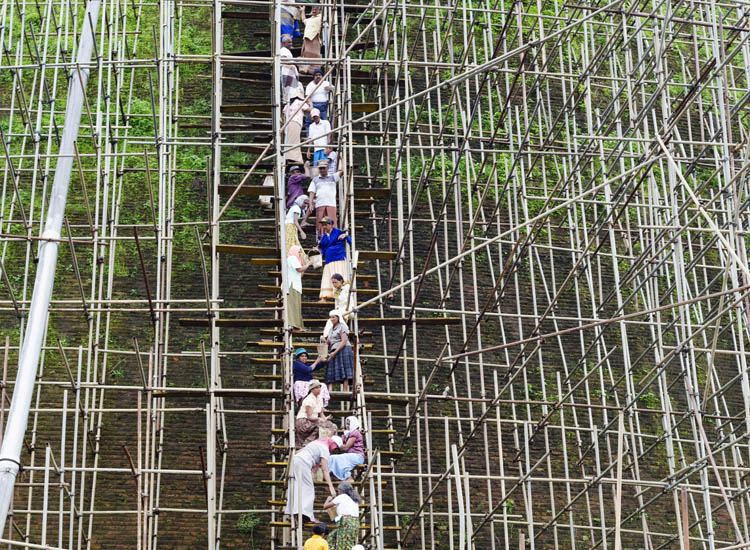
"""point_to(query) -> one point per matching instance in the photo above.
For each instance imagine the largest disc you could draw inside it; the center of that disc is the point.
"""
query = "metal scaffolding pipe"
(10, 453)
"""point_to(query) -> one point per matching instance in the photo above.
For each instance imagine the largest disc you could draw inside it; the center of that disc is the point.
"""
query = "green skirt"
(346, 534)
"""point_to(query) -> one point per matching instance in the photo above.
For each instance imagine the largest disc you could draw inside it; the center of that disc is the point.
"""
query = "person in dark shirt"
(303, 374)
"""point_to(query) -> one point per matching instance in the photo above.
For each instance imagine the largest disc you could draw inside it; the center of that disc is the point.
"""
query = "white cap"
(338, 441)
(358, 547)
(315, 112)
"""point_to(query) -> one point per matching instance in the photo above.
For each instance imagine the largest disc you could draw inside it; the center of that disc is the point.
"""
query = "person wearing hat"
(303, 375)
(311, 417)
(300, 494)
(317, 93)
(332, 245)
(320, 132)
(311, 38)
(323, 191)
(299, 176)
(294, 115)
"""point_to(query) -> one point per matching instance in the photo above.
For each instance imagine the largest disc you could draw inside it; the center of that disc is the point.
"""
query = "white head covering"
(337, 440)
(353, 425)
(299, 201)
(337, 313)
(358, 547)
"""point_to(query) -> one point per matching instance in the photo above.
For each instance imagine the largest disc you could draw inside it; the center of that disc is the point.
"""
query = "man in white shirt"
(318, 97)
(289, 74)
(323, 191)
(319, 132)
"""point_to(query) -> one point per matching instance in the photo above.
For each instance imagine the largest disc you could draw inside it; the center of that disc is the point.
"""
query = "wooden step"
(256, 15)
(245, 107)
(251, 190)
(360, 276)
(363, 321)
(297, 51)
(271, 251)
(227, 322)
(364, 107)
(263, 344)
(267, 376)
(308, 290)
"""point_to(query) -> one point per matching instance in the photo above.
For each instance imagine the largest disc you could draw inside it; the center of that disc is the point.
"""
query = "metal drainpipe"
(10, 453)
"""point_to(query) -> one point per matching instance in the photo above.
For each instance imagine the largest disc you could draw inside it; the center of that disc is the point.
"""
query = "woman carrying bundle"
(346, 502)
(352, 452)
(311, 418)
(341, 300)
(340, 355)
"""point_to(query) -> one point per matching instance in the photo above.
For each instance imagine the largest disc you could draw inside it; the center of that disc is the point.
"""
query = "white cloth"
(285, 52)
(345, 506)
(333, 161)
(294, 209)
(312, 26)
(300, 481)
(325, 189)
(296, 111)
(293, 276)
(318, 129)
(320, 95)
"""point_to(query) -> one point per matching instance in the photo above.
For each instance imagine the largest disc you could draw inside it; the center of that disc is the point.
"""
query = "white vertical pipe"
(10, 452)
(45, 502)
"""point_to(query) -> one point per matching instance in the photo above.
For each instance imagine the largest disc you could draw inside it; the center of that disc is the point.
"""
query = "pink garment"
(359, 443)
(301, 389)
(296, 251)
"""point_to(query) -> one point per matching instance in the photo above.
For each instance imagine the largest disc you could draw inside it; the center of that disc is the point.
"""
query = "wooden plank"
(377, 192)
(256, 15)
(360, 277)
(265, 261)
(247, 249)
(364, 107)
(255, 149)
(251, 190)
(326, 306)
(376, 255)
(265, 251)
(309, 290)
(245, 107)
(198, 322)
(363, 321)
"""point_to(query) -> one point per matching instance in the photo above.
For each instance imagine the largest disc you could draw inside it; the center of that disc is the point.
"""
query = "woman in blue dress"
(332, 246)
